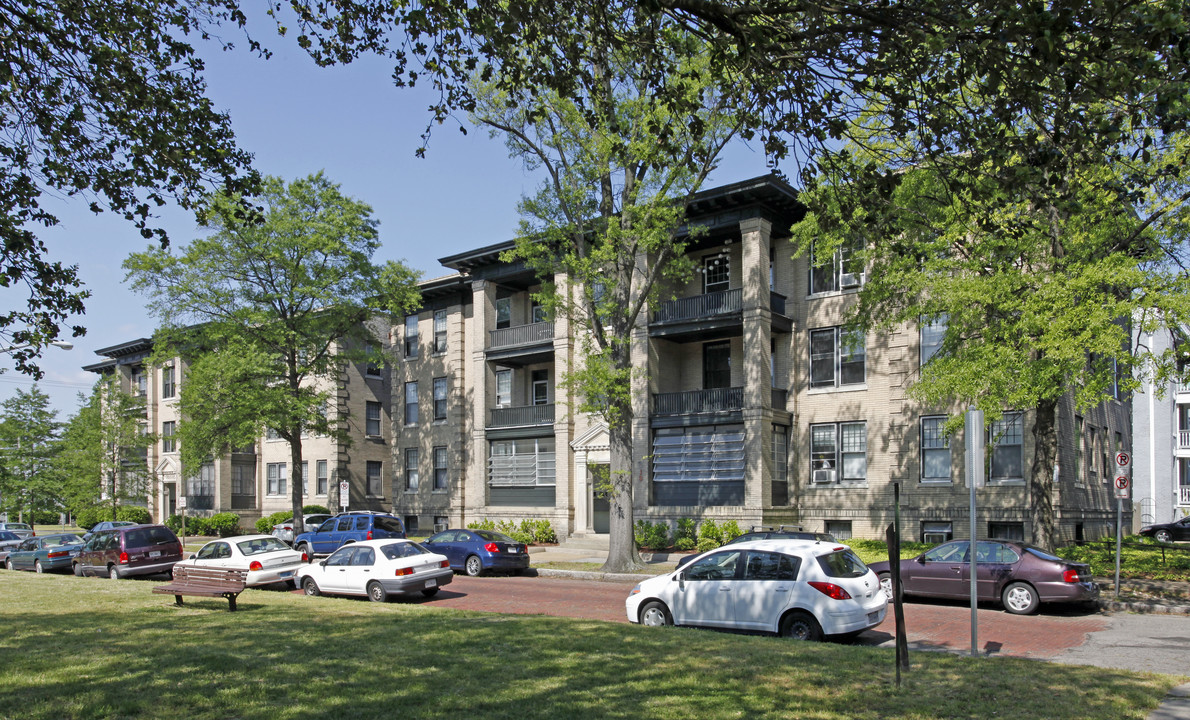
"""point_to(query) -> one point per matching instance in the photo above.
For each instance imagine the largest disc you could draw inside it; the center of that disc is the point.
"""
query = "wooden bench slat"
(205, 582)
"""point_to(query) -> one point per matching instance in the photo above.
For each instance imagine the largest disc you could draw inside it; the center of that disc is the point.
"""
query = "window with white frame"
(375, 478)
(139, 381)
(371, 367)
(1006, 436)
(541, 387)
(439, 331)
(305, 478)
(838, 452)
(716, 273)
(439, 398)
(278, 476)
(412, 476)
(932, 335)
(843, 270)
(503, 312)
(837, 357)
(372, 419)
(935, 532)
(168, 381)
(1080, 450)
(200, 490)
(503, 388)
(526, 462)
(440, 469)
(411, 346)
(323, 479)
(841, 529)
(243, 481)
(411, 403)
(169, 443)
(935, 450)
(536, 312)
(271, 434)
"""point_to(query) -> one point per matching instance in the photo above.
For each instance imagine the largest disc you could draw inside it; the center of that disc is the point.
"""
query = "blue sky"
(297, 119)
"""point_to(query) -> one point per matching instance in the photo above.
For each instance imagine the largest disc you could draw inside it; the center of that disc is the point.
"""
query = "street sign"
(1123, 460)
(182, 502)
(1122, 486)
(344, 493)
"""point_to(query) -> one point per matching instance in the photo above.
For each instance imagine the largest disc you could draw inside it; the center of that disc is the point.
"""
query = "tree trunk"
(622, 555)
(1041, 475)
(295, 479)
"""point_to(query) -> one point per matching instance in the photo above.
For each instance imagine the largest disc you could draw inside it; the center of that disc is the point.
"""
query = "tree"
(29, 441)
(97, 97)
(620, 169)
(266, 313)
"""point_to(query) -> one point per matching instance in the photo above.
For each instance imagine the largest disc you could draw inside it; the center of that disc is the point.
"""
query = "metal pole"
(974, 586)
(974, 446)
(1119, 527)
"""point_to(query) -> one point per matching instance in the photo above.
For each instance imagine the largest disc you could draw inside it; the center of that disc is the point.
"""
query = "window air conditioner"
(439, 527)
(850, 280)
(823, 476)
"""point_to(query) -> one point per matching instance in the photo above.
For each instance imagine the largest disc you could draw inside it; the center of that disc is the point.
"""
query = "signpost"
(975, 447)
(182, 507)
(1123, 487)
(344, 494)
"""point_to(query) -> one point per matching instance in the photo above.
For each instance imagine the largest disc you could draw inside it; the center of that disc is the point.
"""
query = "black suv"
(129, 550)
(348, 528)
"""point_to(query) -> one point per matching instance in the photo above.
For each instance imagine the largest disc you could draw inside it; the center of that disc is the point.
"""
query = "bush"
(194, 525)
(709, 530)
(133, 513)
(266, 523)
(687, 530)
(308, 509)
(731, 531)
(541, 531)
(654, 536)
(173, 522)
(484, 524)
(528, 532)
(705, 544)
(684, 544)
(224, 524)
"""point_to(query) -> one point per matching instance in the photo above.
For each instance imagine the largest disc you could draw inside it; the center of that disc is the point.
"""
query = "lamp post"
(64, 344)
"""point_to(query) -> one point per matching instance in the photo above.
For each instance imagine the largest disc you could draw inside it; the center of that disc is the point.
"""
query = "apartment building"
(1161, 428)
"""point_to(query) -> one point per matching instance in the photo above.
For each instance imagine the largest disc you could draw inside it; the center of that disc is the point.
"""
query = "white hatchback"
(267, 559)
(378, 569)
(795, 588)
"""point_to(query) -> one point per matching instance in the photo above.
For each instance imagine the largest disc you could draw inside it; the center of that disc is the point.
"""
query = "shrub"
(731, 531)
(224, 524)
(706, 543)
(541, 531)
(687, 530)
(654, 536)
(173, 522)
(133, 513)
(308, 509)
(87, 517)
(484, 524)
(194, 525)
(685, 543)
(709, 530)
(266, 523)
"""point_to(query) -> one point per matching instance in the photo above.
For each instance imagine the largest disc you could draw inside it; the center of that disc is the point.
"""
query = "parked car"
(8, 541)
(378, 569)
(283, 530)
(22, 530)
(129, 550)
(267, 559)
(106, 525)
(1019, 576)
(478, 551)
(1168, 532)
(794, 588)
(346, 528)
(48, 552)
(784, 532)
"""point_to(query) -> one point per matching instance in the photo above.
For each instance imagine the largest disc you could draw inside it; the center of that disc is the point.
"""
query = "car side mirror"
(323, 563)
(192, 556)
(682, 580)
(921, 559)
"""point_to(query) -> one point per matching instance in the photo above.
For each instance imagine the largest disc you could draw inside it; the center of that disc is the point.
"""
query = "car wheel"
(304, 548)
(655, 614)
(1163, 536)
(113, 572)
(801, 626)
(78, 569)
(430, 592)
(8, 564)
(1020, 599)
(473, 566)
(376, 592)
(37, 568)
(886, 584)
(311, 587)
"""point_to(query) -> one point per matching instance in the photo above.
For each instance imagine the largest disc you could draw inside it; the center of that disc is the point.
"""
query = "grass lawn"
(96, 648)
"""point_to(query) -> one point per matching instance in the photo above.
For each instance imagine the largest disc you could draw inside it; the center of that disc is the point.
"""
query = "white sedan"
(378, 569)
(267, 559)
(802, 589)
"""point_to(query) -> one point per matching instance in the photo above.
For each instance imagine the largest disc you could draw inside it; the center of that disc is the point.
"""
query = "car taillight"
(492, 548)
(123, 560)
(444, 563)
(305, 558)
(404, 571)
(369, 535)
(1070, 575)
(60, 553)
(255, 565)
(831, 590)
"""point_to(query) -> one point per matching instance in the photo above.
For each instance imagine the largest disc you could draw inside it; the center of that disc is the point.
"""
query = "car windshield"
(403, 550)
(255, 546)
(493, 536)
(842, 564)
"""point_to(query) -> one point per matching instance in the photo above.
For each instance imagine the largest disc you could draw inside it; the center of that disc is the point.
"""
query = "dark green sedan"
(45, 553)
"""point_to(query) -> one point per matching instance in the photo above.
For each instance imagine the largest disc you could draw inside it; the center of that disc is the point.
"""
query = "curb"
(1150, 608)
(588, 575)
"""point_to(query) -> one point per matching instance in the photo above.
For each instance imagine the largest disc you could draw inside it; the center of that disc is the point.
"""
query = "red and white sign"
(1123, 460)
(1122, 486)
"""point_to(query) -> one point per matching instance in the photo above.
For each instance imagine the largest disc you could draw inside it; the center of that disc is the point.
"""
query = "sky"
(298, 119)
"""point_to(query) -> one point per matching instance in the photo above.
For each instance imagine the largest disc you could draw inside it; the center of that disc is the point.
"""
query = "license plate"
(431, 583)
(155, 553)
(873, 616)
(287, 573)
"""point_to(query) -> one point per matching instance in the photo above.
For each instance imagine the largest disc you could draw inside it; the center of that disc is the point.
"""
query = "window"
(411, 474)
(411, 403)
(716, 273)
(440, 398)
(243, 483)
(838, 447)
(439, 331)
(1006, 435)
(305, 478)
(1105, 466)
(440, 470)
(841, 529)
(503, 388)
(537, 312)
(780, 486)
(527, 462)
(503, 312)
(168, 442)
(321, 485)
(138, 381)
(932, 335)
(277, 476)
(837, 357)
(1080, 454)
(271, 434)
(371, 369)
(200, 490)
(372, 419)
(841, 271)
(719, 566)
(935, 450)
(1006, 531)
(541, 387)
(936, 532)
(375, 478)
(411, 336)
(716, 365)
(167, 381)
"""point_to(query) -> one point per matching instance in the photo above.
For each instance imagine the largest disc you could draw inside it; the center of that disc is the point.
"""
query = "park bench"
(205, 582)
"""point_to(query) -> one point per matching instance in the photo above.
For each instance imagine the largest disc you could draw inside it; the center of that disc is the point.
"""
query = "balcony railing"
(698, 307)
(521, 335)
(523, 416)
(699, 401)
(1184, 495)
(1184, 439)
(777, 302)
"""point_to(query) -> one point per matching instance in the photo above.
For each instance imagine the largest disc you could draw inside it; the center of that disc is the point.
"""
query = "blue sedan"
(48, 552)
(478, 551)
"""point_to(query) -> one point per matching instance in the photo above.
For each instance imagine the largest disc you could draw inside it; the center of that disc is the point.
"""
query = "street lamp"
(64, 344)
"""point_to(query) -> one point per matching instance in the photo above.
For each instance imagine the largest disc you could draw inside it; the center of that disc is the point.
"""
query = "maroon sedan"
(1019, 576)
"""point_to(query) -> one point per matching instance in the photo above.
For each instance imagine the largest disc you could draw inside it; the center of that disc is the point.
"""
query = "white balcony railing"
(1184, 439)
(1184, 497)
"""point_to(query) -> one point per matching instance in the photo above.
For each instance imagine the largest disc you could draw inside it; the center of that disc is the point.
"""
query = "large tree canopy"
(105, 101)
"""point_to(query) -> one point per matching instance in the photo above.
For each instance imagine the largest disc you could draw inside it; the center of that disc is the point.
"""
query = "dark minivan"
(131, 550)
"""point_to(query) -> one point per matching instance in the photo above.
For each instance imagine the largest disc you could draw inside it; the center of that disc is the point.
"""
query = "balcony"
(522, 416)
(1184, 495)
(1183, 439)
(696, 407)
(711, 316)
(522, 345)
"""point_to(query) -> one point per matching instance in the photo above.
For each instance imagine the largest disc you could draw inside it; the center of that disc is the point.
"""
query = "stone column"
(483, 320)
(757, 353)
